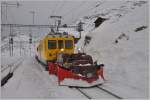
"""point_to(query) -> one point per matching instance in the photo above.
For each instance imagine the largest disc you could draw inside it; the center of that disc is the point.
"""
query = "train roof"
(59, 35)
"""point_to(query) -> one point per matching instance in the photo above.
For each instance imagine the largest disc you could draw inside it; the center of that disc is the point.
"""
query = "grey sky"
(69, 10)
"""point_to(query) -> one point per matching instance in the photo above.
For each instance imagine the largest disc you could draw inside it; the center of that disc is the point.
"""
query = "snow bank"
(126, 61)
(31, 81)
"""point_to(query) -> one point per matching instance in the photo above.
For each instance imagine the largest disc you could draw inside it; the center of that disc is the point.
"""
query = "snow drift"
(122, 49)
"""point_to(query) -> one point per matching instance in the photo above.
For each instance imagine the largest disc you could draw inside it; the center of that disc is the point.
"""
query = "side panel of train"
(49, 48)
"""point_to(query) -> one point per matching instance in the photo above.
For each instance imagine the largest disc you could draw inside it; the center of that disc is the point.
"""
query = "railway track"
(17, 65)
(87, 96)
(107, 91)
(8, 71)
(96, 92)
(14, 64)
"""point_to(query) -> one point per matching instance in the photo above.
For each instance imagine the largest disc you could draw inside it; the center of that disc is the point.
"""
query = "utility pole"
(6, 17)
(30, 35)
(33, 13)
(6, 4)
(11, 42)
(80, 28)
(20, 46)
(6, 7)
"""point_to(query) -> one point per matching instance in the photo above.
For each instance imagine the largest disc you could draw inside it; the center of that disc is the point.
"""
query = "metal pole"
(1, 14)
(1, 17)
(11, 38)
(80, 34)
(9, 48)
(57, 21)
(33, 17)
(10, 41)
(20, 47)
(30, 49)
(6, 13)
(7, 5)
(12, 49)
(32, 12)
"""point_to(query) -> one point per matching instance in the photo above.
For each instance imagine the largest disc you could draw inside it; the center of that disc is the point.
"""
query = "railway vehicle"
(50, 46)
(57, 52)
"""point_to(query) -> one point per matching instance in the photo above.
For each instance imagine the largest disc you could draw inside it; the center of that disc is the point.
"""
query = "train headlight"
(62, 50)
(79, 50)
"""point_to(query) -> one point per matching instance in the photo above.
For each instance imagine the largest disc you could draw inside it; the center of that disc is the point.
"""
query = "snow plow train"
(56, 51)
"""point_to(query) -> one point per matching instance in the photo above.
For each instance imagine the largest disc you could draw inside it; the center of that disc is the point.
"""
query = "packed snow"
(32, 81)
(126, 61)
(81, 83)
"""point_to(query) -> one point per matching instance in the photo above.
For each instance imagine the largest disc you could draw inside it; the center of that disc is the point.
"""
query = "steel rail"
(83, 93)
(12, 65)
(113, 94)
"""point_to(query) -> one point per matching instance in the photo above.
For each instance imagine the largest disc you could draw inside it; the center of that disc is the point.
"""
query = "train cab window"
(51, 44)
(60, 44)
(68, 44)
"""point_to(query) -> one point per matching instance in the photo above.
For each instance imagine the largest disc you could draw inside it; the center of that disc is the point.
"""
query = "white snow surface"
(31, 81)
(81, 83)
(126, 63)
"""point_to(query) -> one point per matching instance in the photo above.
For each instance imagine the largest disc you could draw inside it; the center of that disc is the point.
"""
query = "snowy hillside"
(122, 49)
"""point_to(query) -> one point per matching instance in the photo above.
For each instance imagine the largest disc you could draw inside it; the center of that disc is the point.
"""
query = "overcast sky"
(71, 11)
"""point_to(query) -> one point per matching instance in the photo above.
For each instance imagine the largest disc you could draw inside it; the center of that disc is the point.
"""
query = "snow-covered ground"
(30, 80)
(114, 43)
(126, 61)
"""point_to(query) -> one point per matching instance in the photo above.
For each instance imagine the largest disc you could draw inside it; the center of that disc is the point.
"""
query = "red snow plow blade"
(69, 78)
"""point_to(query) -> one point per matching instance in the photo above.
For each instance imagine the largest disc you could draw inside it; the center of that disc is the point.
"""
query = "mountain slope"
(123, 49)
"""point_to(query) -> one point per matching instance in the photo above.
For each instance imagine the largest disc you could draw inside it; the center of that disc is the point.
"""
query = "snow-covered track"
(80, 90)
(7, 66)
(8, 71)
(14, 65)
(18, 64)
(107, 91)
(96, 92)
